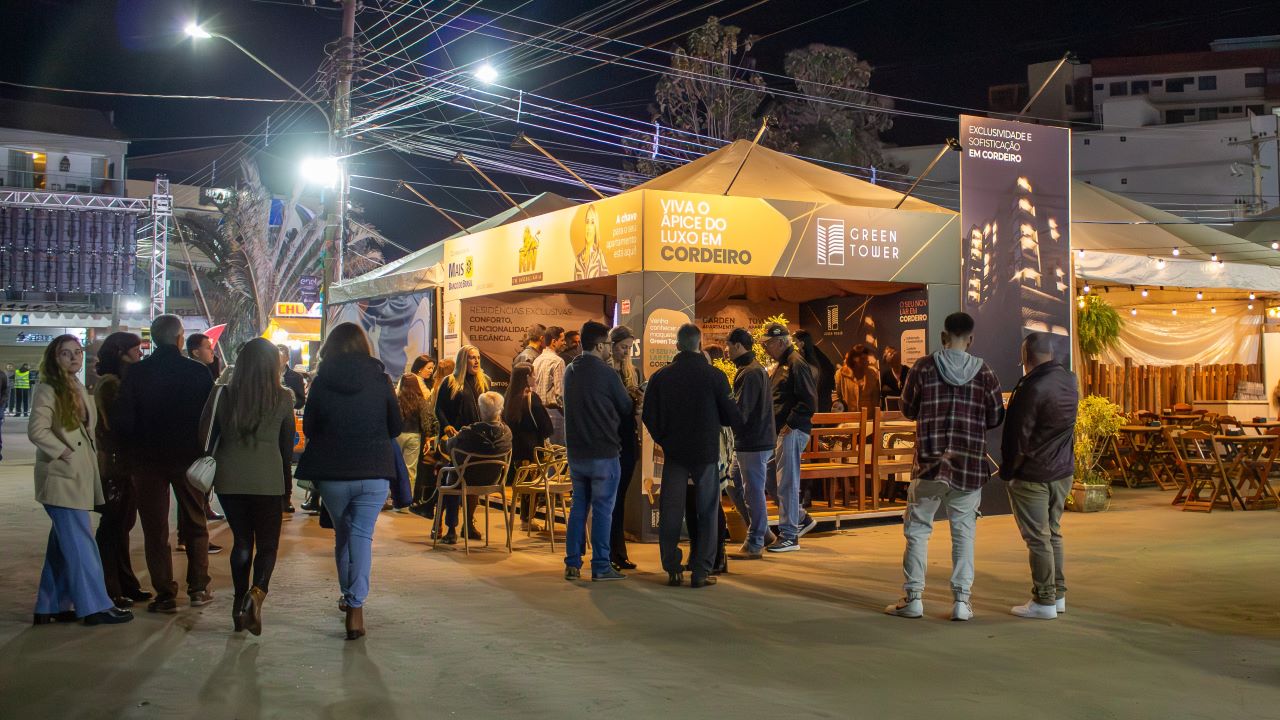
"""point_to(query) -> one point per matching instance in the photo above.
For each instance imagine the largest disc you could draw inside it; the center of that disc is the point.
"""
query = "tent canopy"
(742, 170)
(421, 269)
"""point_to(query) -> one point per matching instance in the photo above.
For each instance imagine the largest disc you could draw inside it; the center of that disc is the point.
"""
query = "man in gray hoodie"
(955, 399)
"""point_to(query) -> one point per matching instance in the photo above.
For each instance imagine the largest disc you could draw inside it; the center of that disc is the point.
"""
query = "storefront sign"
(498, 327)
(712, 234)
(718, 319)
(594, 240)
(34, 338)
(1015, 210)
(298, 309)
(309, 288)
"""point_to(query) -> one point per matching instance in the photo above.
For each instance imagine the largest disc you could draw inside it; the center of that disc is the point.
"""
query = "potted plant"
(1097, 325)
(1097, 419)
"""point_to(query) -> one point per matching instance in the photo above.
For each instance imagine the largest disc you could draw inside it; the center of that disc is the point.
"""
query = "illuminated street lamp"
(486, 74)
(325, 172)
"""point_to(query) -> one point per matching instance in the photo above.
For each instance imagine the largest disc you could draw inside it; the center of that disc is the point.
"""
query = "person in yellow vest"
(22, 390)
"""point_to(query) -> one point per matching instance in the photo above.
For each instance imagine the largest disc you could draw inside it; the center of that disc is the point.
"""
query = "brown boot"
(253, 610)
(355, 623)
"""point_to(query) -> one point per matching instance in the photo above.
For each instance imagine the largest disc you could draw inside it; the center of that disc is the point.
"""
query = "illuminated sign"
(297, 309)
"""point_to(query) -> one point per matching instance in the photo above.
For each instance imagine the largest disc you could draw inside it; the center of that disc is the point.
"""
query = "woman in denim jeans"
(351, 413)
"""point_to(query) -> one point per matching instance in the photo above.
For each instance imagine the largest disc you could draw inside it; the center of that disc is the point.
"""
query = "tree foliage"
(714, 91)
(257, 265)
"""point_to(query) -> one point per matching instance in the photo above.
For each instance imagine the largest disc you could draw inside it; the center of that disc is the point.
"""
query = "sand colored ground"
(1172, 615)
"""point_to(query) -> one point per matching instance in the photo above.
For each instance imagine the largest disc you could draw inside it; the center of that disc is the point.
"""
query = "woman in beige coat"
(67, 484)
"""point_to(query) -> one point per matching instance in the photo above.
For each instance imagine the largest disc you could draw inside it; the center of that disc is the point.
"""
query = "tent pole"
(435, 207)
(1045, 84)
(950, 144)
(764, 125)
(492, 184)
(522, 138)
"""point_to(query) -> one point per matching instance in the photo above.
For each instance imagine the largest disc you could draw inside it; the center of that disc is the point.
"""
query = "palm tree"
(257, 264)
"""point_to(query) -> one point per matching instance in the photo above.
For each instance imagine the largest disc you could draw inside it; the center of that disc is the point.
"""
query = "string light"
(1214, 257)
(1252, 296)
(1080, 253)
(1160, 264)
(1174, 311)
(1133, 311)
(1144, 292)
(1176, 252)
(1250, 306)
(1213, 310)
(1275, 246)
(1087, 289)
(1199, 295)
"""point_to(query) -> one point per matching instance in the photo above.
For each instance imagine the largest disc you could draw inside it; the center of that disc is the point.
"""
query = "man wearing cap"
(622, 342)
(752, 443)
(795, 399)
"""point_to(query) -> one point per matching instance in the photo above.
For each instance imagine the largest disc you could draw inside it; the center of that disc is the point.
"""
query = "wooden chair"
(473, 475)
(1182, 408)
(1228, 425)
(1201, 464)
(546, 479)
(892, 454)
(1260, 467)
(835, 455)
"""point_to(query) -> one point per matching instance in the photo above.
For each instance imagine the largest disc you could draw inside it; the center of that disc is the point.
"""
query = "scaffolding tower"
(161, 211)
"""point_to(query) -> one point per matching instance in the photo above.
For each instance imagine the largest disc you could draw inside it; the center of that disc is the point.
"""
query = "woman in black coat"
(530, 425)
(350, 418)
(457, 406)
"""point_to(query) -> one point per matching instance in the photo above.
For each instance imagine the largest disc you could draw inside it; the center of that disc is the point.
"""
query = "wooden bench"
(836, 454)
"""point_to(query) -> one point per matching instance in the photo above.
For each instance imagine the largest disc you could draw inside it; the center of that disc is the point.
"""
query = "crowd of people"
(374, 444)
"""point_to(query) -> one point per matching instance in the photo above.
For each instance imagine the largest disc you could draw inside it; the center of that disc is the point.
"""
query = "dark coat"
(458, 408)
(157, 414)
(685, 405)
(1038, 443)
(482, 438)
(795, 394)
(594, 401)
(891, 383)
(751, 392)
(293, 380)
(350, 415)
(529, 432)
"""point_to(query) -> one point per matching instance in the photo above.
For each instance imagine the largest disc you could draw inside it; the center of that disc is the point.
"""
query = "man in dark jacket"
(1038, 445)
(752, 443)
(594, 400)
(795, 399)
(685, 405)
(292, 379)
(158, 417)
(490, 436)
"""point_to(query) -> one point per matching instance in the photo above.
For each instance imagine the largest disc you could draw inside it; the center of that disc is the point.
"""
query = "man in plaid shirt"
(954, 398)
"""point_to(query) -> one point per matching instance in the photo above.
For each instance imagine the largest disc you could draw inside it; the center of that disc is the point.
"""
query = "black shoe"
(608, 575)
(163, 605)
(290, 509)
(311, 506)
(702, 581)
(572, 574)
(423, 511)
(624, 564)
(214, 517)
(122, 602)
(50, 618)
(112, 616)
(450, 538)
(214, 549)
(473, 533)
(138, 595)
(675, 579)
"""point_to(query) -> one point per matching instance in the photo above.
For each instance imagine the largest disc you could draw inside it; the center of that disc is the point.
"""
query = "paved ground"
(1172, 615)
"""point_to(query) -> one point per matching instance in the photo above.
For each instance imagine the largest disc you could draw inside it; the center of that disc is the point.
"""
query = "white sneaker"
(962, 610)
(1062, 605)
(1035, 611)
(907, 608)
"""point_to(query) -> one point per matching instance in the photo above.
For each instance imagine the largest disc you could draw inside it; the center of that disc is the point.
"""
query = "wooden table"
(1143, 444)
(1260, 427)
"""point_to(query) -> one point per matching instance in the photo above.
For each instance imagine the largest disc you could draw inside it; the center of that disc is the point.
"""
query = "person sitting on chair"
(489, 436)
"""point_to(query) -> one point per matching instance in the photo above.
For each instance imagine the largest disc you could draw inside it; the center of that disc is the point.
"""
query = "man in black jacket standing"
(594, 400)
(1039, 461)
(752, 443)
(685, 405)
(795, 399)
(158, 415)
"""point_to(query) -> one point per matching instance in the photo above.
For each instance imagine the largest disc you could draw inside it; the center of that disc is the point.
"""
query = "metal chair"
(488, 473)
(548, 479)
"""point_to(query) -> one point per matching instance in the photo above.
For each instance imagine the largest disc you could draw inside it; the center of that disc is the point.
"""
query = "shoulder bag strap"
(211, 445)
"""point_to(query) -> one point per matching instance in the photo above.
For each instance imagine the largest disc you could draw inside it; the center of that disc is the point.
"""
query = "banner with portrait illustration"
(400, 328)
(593, 240)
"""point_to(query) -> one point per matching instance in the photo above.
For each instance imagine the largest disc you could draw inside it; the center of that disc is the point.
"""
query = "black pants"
(255, 528)
(722, 530)
(21, 401)
(153, 486)
(617, 534)
(451, 511)
(671, 515)
(118, 518)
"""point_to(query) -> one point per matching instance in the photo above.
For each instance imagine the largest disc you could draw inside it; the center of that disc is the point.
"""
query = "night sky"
(945, 52)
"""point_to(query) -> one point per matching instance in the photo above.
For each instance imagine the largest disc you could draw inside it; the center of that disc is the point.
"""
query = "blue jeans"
(747, 491)
(788, 460)
(72, 575)
(354, 506)
(595, 484)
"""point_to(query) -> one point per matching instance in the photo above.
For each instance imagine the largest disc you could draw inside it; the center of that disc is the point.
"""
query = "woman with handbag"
(67, 484)
(120, 511)
(530, 425)
(351, 417)
(250, 420)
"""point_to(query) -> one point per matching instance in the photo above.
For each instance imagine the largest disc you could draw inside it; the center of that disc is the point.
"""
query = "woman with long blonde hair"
(458, 406)
(68, 484)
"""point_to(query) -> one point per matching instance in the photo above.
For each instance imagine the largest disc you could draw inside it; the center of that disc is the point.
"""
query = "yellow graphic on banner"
(688, 232)
(593, 240)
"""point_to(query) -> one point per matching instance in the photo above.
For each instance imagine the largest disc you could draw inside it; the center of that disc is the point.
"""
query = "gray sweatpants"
(923, 501)
(1037, 508)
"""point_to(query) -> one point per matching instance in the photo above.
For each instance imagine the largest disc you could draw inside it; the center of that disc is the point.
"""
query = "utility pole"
(1259, 203)
(335, 229)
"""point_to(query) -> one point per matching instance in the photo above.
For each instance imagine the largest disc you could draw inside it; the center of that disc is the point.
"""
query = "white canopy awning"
(1123, 269)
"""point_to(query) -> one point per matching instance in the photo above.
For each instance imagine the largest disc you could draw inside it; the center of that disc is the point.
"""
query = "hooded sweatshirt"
(350, 418)
(954, 399)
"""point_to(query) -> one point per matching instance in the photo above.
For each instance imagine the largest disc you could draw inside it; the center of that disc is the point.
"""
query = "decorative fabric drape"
(1195, 335)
